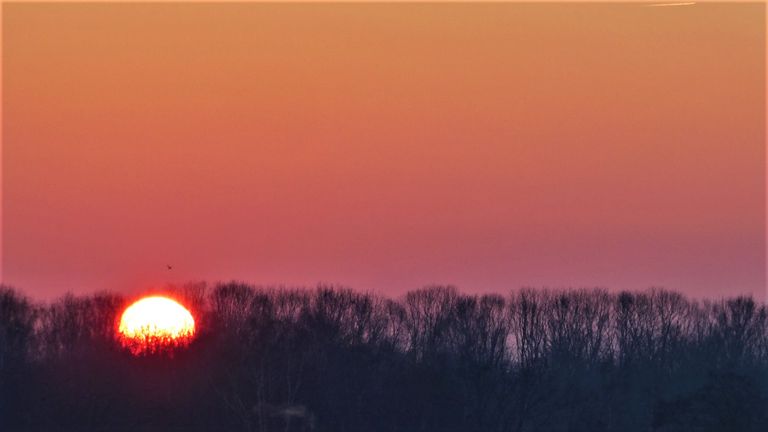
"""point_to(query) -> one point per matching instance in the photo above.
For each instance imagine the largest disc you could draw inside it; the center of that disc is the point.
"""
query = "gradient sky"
(384, 147)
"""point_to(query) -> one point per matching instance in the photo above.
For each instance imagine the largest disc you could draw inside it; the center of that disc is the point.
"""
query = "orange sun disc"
(155, 324)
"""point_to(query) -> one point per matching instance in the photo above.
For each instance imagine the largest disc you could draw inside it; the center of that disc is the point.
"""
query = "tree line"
(435, 359)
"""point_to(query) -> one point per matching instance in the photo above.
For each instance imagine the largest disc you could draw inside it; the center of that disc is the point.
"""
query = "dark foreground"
(436, 360)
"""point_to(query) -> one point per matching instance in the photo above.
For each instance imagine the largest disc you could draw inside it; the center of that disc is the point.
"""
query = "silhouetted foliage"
(332, 359)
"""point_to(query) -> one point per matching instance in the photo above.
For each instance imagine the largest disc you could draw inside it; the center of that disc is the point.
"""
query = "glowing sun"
(155, 324)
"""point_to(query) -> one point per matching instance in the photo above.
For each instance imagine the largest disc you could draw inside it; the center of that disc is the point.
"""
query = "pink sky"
(384, 147)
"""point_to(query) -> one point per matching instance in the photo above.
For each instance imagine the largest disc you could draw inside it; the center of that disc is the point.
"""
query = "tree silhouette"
(333, 359)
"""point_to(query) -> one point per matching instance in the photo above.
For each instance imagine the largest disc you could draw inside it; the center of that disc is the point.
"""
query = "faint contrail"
(671, 4)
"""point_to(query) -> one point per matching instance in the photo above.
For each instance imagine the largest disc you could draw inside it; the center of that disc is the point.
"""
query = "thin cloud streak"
(671, 4)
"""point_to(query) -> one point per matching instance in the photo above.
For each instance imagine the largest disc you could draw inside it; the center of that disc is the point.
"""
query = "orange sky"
(384, 146)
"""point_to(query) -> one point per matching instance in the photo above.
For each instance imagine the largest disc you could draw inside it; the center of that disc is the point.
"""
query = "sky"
(384, 146)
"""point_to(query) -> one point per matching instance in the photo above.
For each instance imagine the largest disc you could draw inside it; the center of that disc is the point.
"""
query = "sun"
(155, 324)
